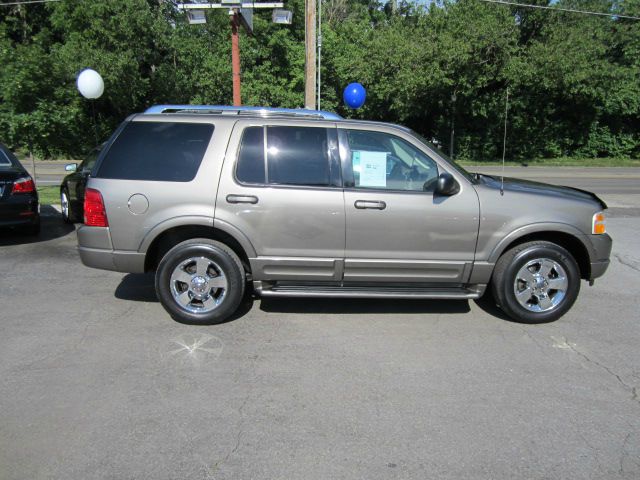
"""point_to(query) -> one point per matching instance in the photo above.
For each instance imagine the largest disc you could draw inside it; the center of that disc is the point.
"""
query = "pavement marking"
(195, 347)
(562, 344)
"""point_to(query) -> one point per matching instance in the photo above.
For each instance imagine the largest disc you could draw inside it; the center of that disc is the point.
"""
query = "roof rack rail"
(254, 111)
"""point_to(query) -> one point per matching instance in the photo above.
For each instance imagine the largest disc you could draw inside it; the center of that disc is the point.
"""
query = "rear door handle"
(242, 199)
(373, 204)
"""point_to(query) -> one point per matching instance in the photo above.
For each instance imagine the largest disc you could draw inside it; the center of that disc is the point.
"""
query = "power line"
(570, 10)
(26, 2)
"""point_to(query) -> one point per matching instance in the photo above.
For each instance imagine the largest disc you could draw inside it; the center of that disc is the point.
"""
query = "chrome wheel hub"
(198, 285)
(540, 285)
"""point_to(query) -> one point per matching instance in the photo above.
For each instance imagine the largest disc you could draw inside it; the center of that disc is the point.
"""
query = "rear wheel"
(200, 281)
(536, 282)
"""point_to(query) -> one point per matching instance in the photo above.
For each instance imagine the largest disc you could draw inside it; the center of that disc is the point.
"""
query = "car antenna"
(504, 141)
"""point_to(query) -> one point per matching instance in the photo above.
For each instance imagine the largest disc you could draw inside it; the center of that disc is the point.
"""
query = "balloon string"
(95, 123)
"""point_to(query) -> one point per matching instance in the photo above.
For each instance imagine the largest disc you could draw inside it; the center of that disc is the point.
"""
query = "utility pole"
(319, 49)
(310, 55)
(241, 13)
(235, 57)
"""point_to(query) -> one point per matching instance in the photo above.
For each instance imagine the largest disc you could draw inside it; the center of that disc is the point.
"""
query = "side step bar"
(311, 291)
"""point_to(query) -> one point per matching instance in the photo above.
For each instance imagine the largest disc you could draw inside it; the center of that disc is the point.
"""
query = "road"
(96, 381)
(609, 181)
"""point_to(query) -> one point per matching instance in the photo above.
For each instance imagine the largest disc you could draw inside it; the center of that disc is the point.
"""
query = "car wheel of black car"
(200, 281)
(536, 282)
(65, 207)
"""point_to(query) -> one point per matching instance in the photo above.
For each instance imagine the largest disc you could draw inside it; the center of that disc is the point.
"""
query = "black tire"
(223, 262)
(67, 213)
(506, 281)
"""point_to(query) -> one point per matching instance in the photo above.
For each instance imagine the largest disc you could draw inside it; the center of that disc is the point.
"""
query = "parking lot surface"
(96, 381)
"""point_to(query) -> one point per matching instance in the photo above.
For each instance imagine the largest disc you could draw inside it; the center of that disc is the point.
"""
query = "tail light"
(95, 214)
(23, 185)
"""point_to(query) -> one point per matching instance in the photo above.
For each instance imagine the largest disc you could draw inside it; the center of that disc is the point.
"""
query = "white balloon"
(90, 83)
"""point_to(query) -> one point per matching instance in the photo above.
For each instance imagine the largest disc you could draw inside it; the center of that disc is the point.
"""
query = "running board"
(266, 290)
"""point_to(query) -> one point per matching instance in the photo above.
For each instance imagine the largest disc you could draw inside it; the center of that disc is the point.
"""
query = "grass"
(49, 195)
(557, 162)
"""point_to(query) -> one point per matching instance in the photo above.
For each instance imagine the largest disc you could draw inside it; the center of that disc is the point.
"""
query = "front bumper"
(600, 256)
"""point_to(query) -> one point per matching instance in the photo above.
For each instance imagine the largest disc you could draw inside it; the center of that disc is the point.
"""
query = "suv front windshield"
(458, 168)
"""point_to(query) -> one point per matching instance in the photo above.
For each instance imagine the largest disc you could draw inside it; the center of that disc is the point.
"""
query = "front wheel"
(536, 282)
(65, 207)
(200, 281)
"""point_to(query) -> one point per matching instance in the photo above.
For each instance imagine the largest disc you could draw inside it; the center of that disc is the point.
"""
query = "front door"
(282, 189)
(77, 182)
(397, 230)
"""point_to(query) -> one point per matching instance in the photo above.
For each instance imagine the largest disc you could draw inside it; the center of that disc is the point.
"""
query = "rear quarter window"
(157, 151)
(4, 160)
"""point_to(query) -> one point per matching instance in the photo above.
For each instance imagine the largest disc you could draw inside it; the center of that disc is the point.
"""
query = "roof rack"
(252, 111)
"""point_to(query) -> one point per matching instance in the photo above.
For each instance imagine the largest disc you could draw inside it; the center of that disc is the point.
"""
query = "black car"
(19, 206)
(73, 186)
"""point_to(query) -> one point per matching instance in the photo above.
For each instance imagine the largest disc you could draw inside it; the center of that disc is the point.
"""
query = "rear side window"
(294, 156)
(250, 167)
(159, 151)
(298, 156)
(4, 160)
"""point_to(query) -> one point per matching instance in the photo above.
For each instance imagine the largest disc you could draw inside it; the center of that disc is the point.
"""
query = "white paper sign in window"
(373, 169)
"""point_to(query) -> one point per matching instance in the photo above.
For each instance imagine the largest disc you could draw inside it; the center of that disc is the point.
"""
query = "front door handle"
(242, 199)
(373, 204)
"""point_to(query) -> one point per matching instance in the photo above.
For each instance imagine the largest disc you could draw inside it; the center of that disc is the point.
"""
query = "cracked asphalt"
(97, 382)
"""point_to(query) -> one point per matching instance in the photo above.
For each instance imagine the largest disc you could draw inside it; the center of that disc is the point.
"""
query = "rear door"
(398, 231)
(281, 187)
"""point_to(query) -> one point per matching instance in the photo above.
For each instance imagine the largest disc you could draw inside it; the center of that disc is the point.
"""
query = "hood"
(539, 188)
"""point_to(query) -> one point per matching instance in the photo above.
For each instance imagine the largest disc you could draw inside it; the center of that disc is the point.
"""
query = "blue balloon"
(354, 95)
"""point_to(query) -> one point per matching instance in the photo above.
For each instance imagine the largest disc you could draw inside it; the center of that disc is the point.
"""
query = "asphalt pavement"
(97, 381)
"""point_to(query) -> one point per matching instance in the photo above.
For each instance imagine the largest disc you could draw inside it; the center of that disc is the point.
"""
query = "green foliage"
(49, 195)
(573, 80)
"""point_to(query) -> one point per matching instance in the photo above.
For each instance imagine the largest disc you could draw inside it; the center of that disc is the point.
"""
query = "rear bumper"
(19, 210)
(96, 251)
(23, 221)
(117, 261)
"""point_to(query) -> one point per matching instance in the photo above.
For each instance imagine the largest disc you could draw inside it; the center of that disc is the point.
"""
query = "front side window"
(383, 161)
(294, 156)
(160, 151)
(90, 161)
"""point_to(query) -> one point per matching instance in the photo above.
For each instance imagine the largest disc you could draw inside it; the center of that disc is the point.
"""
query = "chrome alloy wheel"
(198, 285)
(540, 285)
(64, 204)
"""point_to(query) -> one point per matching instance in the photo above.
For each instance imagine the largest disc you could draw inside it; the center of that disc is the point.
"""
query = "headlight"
(598, 224)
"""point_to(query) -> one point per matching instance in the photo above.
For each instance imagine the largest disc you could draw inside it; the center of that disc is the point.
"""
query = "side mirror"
(70, 167)
(447, 185)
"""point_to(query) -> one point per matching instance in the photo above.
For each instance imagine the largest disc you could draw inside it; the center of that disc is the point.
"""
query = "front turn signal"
(598, 224)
